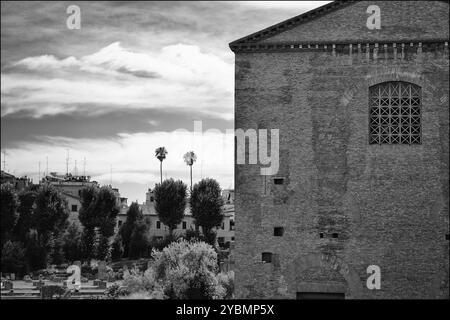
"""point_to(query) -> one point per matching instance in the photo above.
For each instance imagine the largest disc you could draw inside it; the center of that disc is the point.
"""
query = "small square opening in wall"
(447, 236)
(278, 181)
(278, 231)
(321, 235)
(335, 235)
(266, 257)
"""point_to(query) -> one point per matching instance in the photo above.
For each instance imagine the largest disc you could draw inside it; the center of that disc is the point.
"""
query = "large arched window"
(395, 113)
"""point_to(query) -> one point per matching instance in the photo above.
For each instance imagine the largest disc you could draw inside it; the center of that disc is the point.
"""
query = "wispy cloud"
(178, 76)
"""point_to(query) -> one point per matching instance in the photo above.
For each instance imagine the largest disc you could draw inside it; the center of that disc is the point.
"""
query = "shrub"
(136, 281)
(144, 295)
(226, 280)
(183, 270)
(48, 292)
(160, 244)
(188, 270)
(115, 291)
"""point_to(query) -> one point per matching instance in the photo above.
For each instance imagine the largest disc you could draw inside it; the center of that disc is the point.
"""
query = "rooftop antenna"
(39, 172)
(84, 166)
(46, 169)
(201, 168)
(110, 174)
(4, 161)
(67, 162)
(76, 169)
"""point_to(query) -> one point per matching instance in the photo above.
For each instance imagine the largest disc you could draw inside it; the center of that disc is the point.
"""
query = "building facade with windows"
(70, 186)
(225, 233)
(359, 93)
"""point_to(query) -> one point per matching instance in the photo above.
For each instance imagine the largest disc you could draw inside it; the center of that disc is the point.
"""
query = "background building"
(364, 153)
(19, 183)
(70, 186)
(225, 233)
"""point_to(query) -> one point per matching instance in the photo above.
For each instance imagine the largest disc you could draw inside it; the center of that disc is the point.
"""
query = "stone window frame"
(385, 104)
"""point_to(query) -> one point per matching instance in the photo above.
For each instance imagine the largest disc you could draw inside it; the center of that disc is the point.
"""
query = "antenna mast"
(4, 161)
(84, 166)
(67, 162)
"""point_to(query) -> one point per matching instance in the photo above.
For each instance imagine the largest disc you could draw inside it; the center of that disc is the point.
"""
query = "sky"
(134, 77)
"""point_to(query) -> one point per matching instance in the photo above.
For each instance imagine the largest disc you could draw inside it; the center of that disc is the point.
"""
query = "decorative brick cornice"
(349, 47)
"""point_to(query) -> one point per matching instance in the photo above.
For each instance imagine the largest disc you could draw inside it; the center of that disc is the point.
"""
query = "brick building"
(363, 149)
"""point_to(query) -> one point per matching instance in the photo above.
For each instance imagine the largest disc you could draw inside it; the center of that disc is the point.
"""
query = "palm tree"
(161, 155)
(190, 158)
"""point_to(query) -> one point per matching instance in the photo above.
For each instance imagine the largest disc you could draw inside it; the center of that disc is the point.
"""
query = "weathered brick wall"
(388, 203)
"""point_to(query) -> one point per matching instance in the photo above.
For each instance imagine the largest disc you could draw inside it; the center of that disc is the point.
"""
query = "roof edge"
(293, 22)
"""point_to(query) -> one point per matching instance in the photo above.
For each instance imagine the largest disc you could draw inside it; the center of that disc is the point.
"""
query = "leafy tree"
(170, 202)
(117, 250)
(8, 215)
(134, 214)
(107, 211)
(86, 214)
(25, 221)
(88, 243)
(13, 257)
(50, 217)
(104, 248)
(206, 206)
(56, 249)
(36, 254)
(97, 214)
(87, 218)
(139, 241)
(72, 242)
(51, 212)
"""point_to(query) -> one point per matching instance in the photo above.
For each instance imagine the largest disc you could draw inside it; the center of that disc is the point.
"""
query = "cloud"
(177, 76)
(288, 5)
(22, 127)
